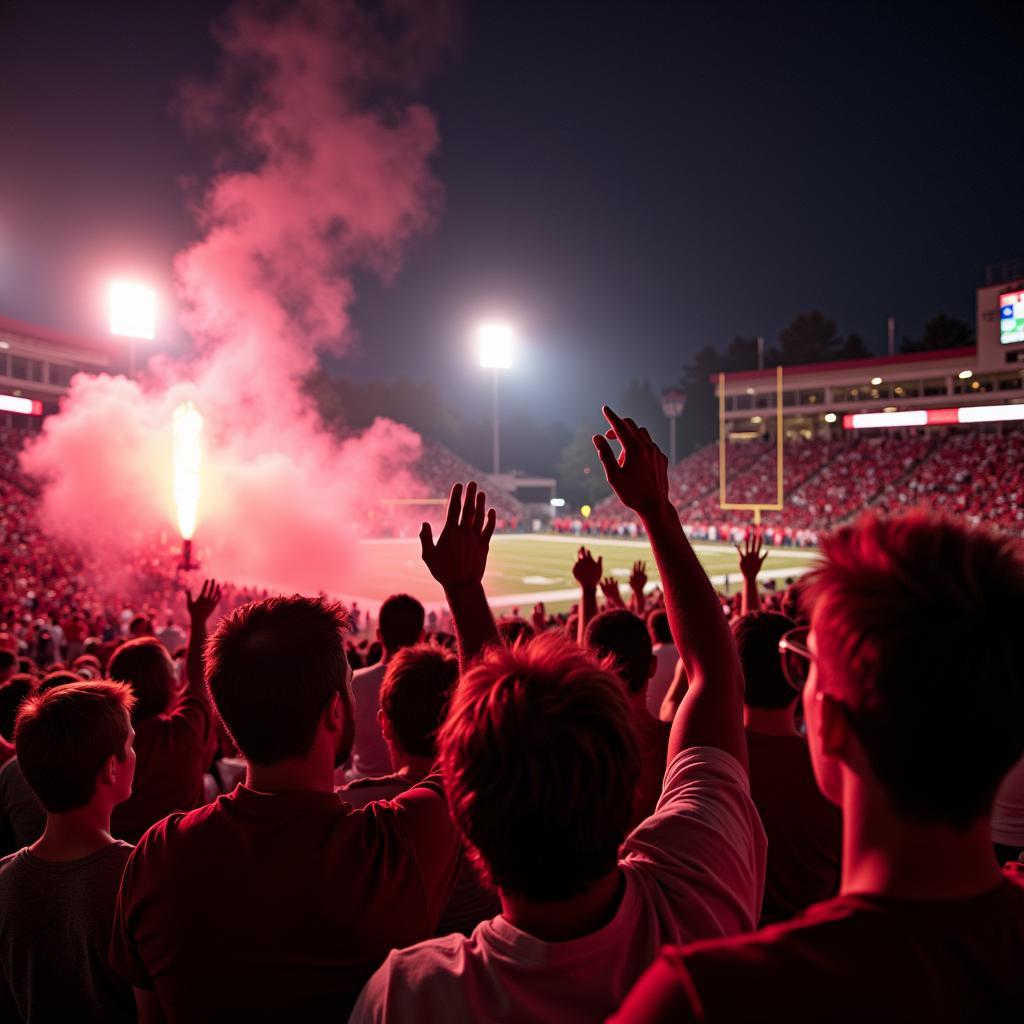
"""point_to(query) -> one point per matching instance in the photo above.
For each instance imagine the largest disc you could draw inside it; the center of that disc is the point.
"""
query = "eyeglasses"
(796, 656)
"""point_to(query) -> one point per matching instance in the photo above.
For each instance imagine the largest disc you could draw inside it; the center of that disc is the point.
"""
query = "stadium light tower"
(496, 354)
(132, 315)
(673, 403)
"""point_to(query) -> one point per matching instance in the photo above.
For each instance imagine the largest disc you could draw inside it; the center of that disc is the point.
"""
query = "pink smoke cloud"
(329, 173)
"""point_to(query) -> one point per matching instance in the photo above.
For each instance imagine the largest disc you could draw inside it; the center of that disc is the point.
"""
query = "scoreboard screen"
(1011, 317)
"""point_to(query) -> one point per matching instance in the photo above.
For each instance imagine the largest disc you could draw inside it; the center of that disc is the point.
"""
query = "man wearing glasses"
(913, 694)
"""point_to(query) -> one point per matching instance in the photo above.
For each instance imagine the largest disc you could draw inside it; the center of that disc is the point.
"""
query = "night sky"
(625, 181)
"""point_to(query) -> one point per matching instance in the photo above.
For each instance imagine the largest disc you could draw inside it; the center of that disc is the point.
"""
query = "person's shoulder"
(368, 674)
(432, 960)
(11, 864)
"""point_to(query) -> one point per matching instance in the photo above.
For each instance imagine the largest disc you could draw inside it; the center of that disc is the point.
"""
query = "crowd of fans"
(675, 806)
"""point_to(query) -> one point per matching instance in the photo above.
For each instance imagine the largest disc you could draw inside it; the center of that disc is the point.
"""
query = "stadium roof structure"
(52, 335)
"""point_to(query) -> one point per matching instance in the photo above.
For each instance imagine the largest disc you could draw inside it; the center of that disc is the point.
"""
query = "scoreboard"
(1011, 317)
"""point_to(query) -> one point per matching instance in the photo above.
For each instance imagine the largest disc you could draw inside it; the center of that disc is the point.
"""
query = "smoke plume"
(328, 172)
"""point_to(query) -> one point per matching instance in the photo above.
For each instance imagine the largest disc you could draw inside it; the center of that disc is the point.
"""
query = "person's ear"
(834, 728)
(385, 725)
(110, 771)
(380, 639)
(334, 713)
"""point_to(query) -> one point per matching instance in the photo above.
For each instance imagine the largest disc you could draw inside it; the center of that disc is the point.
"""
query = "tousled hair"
(143, 664)
(916, 624)
(64, 736)
(414, 695)
(757, 636)
(620, 635)
(541, 762)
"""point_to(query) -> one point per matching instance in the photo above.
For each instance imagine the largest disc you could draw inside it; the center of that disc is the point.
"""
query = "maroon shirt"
(804, 829)
(172, 754)
(653, 736)
(278, 907)
(852, 959)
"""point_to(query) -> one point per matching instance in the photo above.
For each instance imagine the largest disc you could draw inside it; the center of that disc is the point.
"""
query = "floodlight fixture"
(965, 374)
(496, 345)
(875, 381)
(132, 310)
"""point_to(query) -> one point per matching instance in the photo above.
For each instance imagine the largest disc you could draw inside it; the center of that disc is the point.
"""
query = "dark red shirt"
(172, 753)
(804, 829)
(278, 907)
(852, 959)
(653, 735)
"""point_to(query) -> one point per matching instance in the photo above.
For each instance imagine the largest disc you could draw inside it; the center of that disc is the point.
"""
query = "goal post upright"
(756, 507)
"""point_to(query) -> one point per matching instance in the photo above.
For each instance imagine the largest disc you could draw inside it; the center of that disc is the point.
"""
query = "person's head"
(88, 666)
(74, 744)
(400, 623)
(413, 699)
(515, 630)
(145, 665)
(278, 674)
(916, 682)
(59, 678)
(657, 626)
(140, 626)
(12, 693)
(757, 636)
(541, 762)
(8, 664)
(622, 636)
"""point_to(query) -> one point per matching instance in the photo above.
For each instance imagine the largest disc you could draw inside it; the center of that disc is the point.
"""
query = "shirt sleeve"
(124, 955)
(191, 721)
(704, 846)
(432, 838)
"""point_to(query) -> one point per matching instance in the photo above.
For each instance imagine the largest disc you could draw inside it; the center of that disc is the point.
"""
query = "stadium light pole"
(132, 315)
(495, 354)
(673, 402)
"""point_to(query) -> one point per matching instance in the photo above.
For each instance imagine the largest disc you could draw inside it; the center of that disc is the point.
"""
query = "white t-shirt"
(1008, 811)
(693, 870)
(657, 686)
(370, 756)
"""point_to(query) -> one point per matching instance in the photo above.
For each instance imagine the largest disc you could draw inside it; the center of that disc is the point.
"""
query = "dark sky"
(625, 181)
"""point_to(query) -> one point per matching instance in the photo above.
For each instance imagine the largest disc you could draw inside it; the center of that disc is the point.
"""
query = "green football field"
(524, 569)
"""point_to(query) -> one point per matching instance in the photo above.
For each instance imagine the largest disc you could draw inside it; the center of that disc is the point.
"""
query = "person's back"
(804, 829)
(667, 658)
(278, 900)
(911, 654)
(57, 896)
(400, 625)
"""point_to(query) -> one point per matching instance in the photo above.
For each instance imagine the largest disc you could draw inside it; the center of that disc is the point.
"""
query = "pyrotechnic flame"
(187, 424)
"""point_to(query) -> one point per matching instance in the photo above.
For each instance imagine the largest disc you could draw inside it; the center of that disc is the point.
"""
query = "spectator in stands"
(174, 743)
(171, 636)
(57, 896)
(541, 761)
(12, 693)
(277, 901)
(804, 829)
(622, 638)
(666, 656)
(413, 700)
(8, 665)
(903, 612)
(400, 625)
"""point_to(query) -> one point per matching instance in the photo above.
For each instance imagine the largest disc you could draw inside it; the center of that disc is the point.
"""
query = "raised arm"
(587, 572)
(751, 561)
(457, 561)
(637, 582)
(199, 612)
(711, 713)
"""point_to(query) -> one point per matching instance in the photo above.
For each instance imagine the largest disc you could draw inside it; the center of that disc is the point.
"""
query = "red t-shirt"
(279, 906)
(804, 829)
(852, 959)
(172, 754)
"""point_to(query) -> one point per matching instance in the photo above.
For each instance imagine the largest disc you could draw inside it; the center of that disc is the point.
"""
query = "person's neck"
(570, 919)
(72, 835)
(408, 766)
(313, 773)
(891, 856)
(770, 721)
(638, 701)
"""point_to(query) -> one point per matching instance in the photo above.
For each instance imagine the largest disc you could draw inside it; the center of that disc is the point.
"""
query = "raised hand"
(587, 570)
(201, 608)
(638, 577)
(639, 475)
(459, 556)
(751, 558)
(610, 589)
